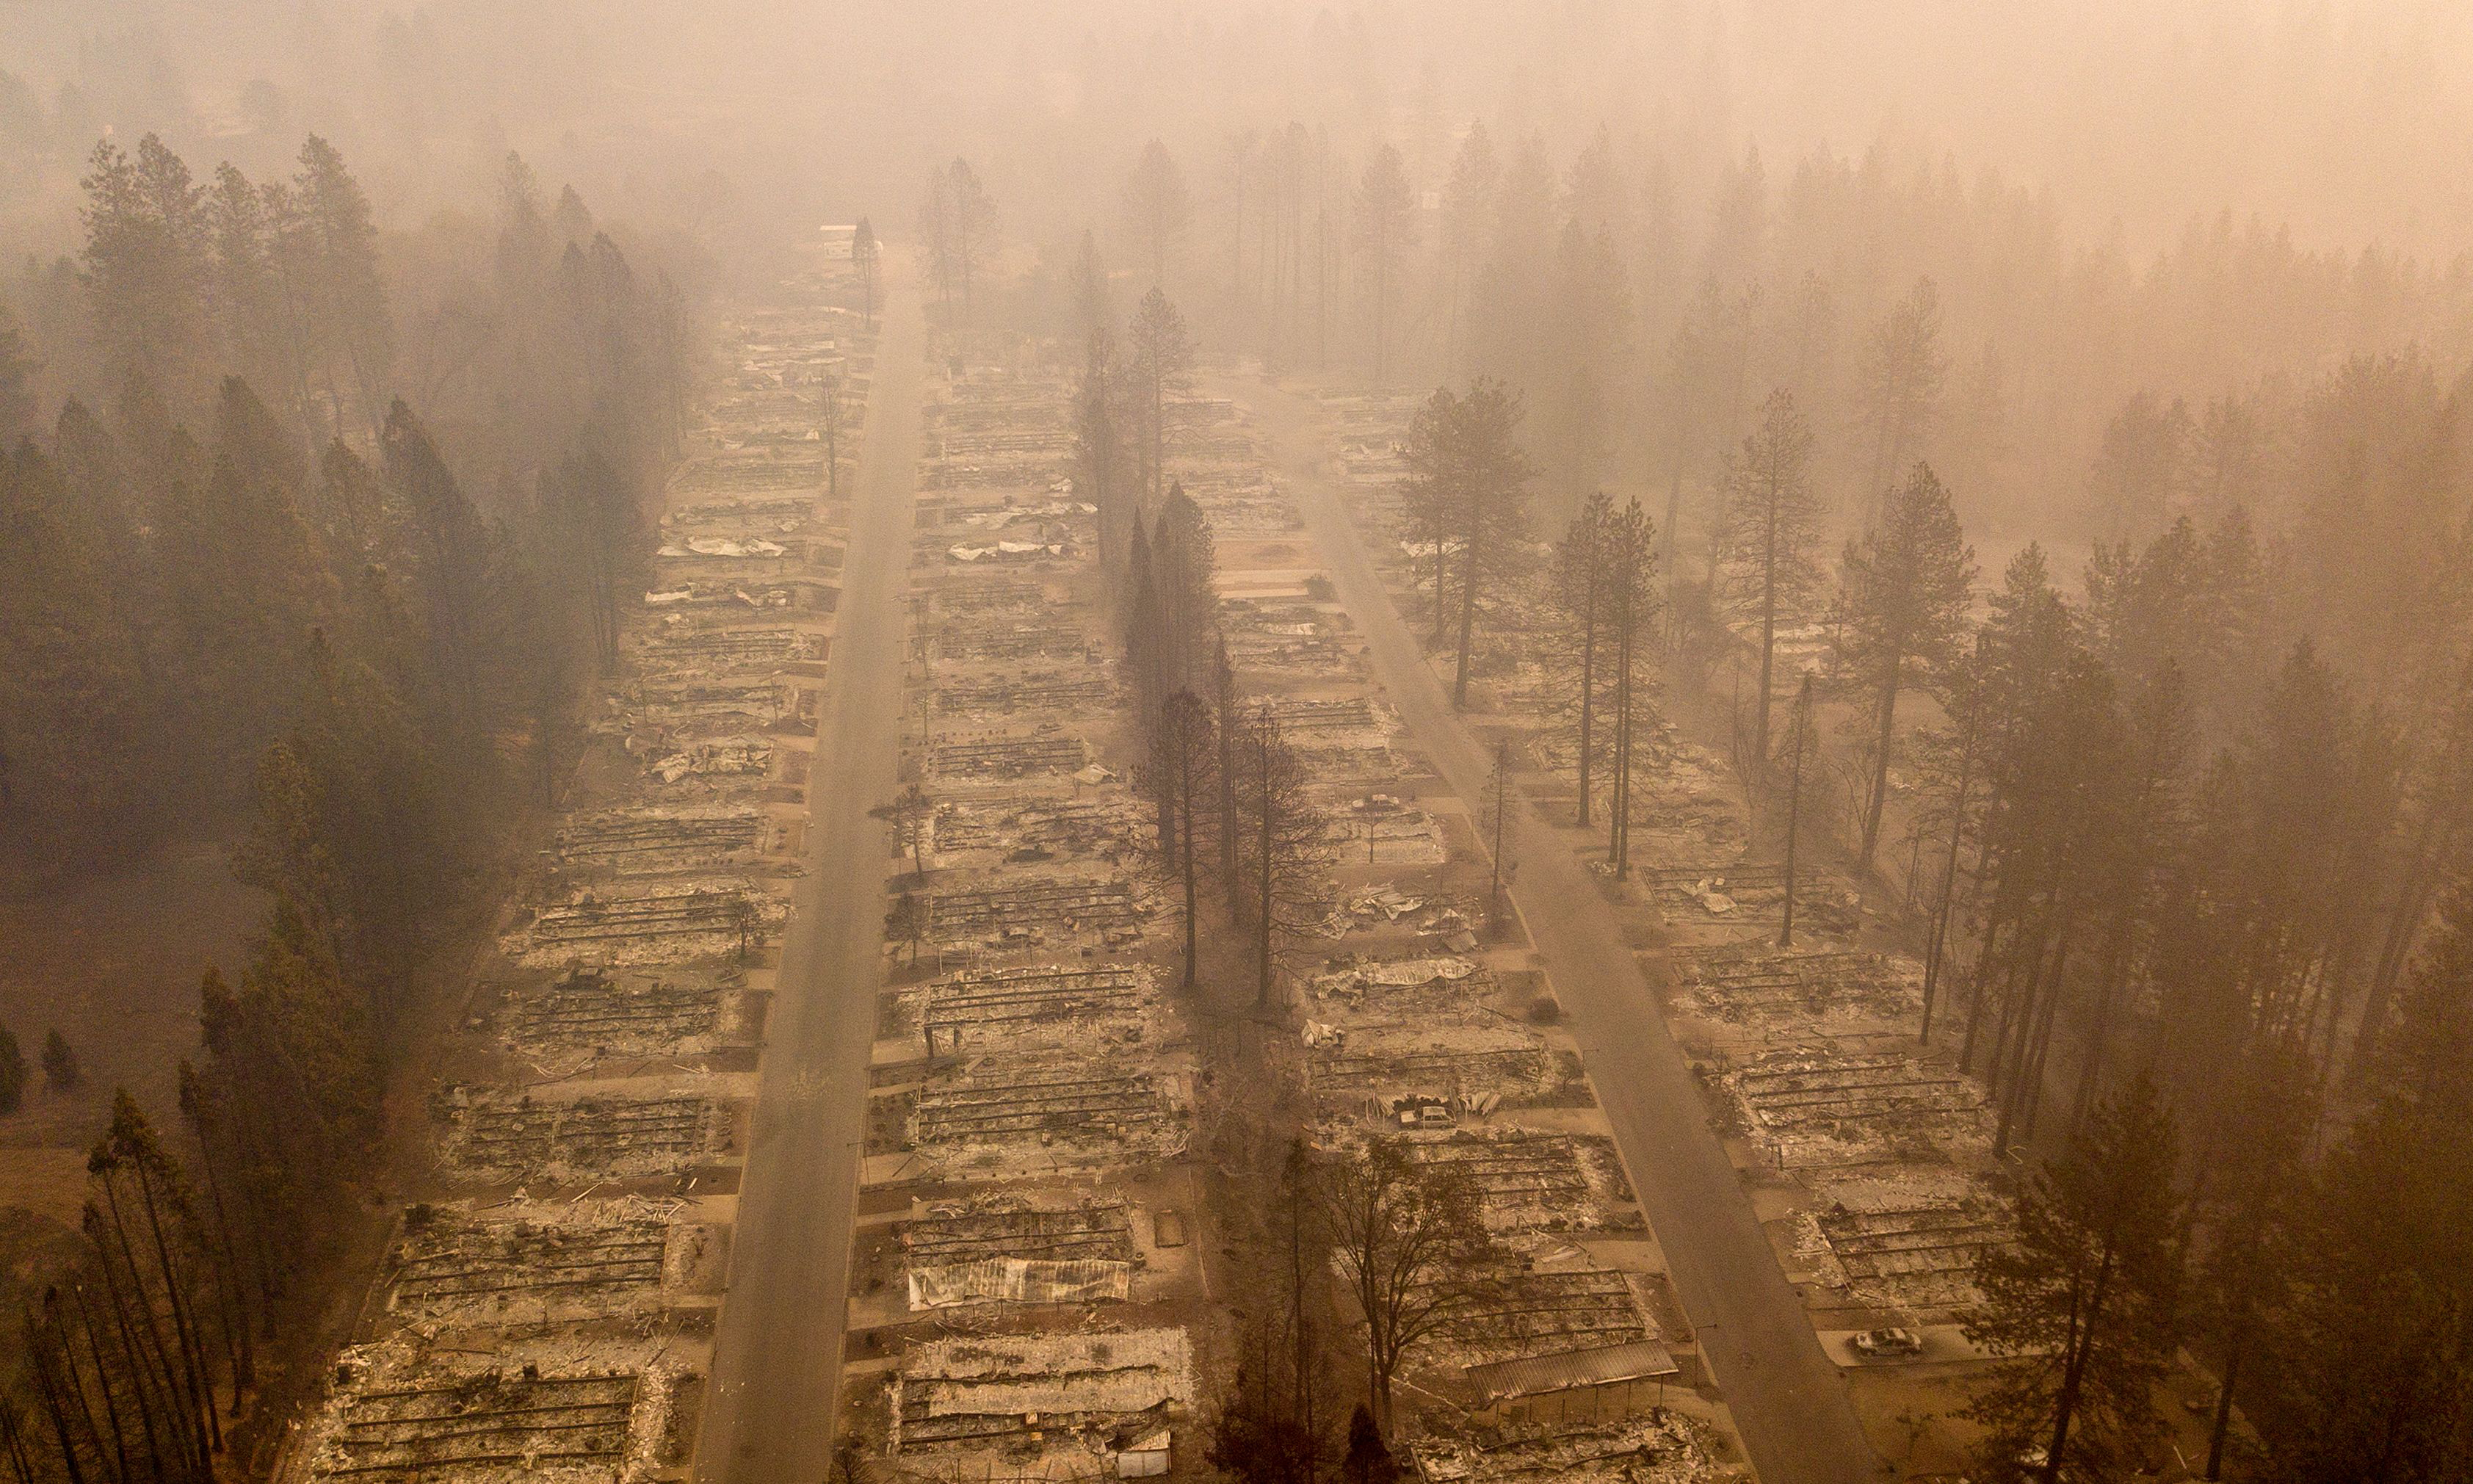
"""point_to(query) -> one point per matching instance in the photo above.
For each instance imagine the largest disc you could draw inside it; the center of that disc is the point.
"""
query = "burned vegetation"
(1427, 783)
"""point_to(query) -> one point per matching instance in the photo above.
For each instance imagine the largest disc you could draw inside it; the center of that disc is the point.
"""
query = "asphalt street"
(769, 1415)
(1789, 1398)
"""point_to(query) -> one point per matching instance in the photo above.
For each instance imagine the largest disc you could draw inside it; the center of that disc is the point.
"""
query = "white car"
(1886, 1344)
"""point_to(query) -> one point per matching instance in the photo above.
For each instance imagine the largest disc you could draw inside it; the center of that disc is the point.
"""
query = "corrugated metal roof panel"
(1535, 1375)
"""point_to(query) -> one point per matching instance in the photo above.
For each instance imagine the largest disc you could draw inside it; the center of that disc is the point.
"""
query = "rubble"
(1072, 1391)
(1013, 1226)
(1005, 1113)
(1029, 912)
(531, 1262)
(536, 1411)
(1040, 691)
(1657, 1446)
(1523, 1313)
(1036, 1008)
(1030, 827)
(587, 1136)
(662, 924)
(1533, 1182)
(651, 840)
(1009, 758)
(1843, 1108)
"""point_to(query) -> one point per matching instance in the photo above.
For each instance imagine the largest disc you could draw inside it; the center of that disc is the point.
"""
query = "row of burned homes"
(545, 1312)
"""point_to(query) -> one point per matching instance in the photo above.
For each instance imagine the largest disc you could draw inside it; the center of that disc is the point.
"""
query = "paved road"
(1789, 1398)
(777, 1358)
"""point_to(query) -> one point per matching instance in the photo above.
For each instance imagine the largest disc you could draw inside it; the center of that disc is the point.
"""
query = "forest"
(2048, 543)
(325, 564)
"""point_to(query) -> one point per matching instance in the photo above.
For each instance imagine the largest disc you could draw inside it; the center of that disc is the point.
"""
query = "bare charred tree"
(1223, 707)
(1282, 886)
(1408, 1237)
(1799, 744)
(1632, 604)
(1950, 760)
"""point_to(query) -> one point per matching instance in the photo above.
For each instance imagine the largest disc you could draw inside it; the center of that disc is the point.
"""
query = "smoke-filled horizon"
(900, 741)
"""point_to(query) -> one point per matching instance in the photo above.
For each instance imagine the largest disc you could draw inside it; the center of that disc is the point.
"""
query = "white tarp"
(722, 546)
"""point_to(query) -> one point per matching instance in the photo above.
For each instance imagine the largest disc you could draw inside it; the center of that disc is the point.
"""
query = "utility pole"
(1794, 806)
(1502, 801)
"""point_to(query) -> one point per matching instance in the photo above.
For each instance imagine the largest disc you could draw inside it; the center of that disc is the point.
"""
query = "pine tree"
(592, 516)
(61, 1071)
(80, 717)
(1103, 458)
(2082, 1307)
(254, 309)
(146, 265)
(2248, 1168)
(1589, 323)
(1771, 538)
(1184, 564)
(449, 554)
(2369, 1374)
(1145, 645)
(2144, 470)
(1281, 886)
(1463, 458)
(957, 228)
(1157, 208)
(1093, 312)
(1387, 228)
(1467, 217)
(1581, 592)
(1903, 374)
(1905, 590)
(17, 368)
(12, 1072)
(1184, 771)
(1161, 364)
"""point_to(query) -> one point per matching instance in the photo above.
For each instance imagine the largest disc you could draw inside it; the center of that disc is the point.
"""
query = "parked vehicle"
(1887, 1343)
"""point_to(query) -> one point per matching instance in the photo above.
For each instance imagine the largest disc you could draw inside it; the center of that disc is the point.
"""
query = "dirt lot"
(111, 961)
